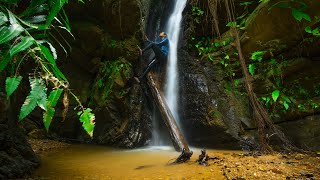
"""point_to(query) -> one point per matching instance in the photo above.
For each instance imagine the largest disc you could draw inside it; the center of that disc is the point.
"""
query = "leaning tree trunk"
(177, 138)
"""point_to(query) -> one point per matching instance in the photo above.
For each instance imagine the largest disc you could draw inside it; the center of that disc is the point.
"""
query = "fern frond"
(87, 118)
(52, 102)
(54, 97)
(47, 117)
(37, 96)
(12, 84)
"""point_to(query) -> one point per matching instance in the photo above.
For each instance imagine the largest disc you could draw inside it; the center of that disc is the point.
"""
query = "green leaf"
(298, 14)
(232, 24)
(47, 117)
(273, 61)
(285, 98)
(56, 6)
(12, 18)
(12, 84)
(35, 7)
(52, 102)
(251, 69)
(275, 95)
(286, 105)
(66, 21)
(3, 18)
(258, 55)
(47, 54)
(37, 19)
(25, 43)
(267, 100)
(246, 3)
(8, 33)
(236, 82)
(43, 102)
(4, 62)
(308, 29)
(87, 118)
(37, 96)
(54, 97)
(53, 50)
(316, 32)
(263, 1)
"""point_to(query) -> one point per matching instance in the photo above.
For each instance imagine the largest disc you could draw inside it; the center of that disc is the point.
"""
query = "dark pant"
(159, 56)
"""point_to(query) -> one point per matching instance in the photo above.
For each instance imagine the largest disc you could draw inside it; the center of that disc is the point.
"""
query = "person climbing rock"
(160, 49)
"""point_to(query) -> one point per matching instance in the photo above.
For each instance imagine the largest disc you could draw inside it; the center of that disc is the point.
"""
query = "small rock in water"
(277, 171)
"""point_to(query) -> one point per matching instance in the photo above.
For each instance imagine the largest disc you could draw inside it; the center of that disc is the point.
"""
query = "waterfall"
(171, 87)
(156, 140)
(173, 32)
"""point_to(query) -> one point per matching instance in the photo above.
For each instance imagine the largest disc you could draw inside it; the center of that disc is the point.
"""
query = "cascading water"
(173, 32)
(171, 90)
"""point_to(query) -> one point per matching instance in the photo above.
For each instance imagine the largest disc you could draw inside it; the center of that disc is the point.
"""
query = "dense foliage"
(267, 64)
(262, 64)
(29, 30)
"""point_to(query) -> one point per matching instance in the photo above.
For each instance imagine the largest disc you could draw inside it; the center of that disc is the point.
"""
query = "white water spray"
(173, 32)
(171, 90)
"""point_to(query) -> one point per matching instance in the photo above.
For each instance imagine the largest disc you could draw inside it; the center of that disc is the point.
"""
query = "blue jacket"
(163, 45)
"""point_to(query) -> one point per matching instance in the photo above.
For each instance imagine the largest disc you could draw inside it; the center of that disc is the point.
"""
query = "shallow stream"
(98, 162)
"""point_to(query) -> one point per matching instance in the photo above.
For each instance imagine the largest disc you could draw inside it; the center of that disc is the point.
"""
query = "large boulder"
(276, 28)
(212, 115)
(304, 132)
(16, 155)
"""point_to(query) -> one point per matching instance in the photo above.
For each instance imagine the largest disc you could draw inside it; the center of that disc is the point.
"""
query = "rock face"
(212, 116)
(100, 69)
(304, 132)
(278, 27)
(16, 156)
(211, 103)
(101, 66)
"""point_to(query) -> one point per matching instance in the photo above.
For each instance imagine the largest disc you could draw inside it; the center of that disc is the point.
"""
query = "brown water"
(96, 162)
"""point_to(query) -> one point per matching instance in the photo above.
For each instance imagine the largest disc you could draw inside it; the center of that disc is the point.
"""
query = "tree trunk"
(177, 138)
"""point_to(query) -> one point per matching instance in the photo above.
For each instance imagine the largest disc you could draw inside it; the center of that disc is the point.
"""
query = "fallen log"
(177, 138)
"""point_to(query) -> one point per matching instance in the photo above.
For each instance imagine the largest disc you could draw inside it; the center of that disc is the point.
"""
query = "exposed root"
(184, 157)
